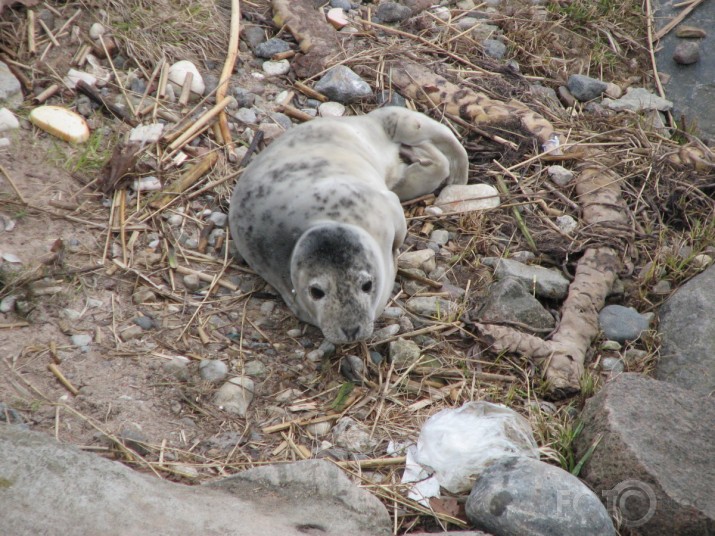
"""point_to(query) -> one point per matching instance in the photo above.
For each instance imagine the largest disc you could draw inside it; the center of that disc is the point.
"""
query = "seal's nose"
(351, 333)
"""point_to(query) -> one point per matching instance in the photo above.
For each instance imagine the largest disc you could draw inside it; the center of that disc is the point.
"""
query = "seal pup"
(317, 214)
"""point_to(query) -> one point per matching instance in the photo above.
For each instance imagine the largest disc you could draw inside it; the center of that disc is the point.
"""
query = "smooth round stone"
(296, 332)
(144, 322)
(440, 237)
(235, 396)
(621, 323)
(687, 52)
(96, 30)
(331, 109)
(255, 368)
(613, 365)
(212, 370)
(269, 48)
(8, 121)
(191, 282)
(81, 339)
(178, 72)
(276, 68)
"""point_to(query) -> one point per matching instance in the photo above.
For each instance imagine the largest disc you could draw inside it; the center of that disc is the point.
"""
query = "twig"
(372, 463)
(227, 70)
(199, 124)
(31, 44)
(188, 179)
(426, 280)
(13, 325)
(63, 380)
(207, 278)
(12, 185)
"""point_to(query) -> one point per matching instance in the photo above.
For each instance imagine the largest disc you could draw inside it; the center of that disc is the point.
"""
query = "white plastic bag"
(457, 444)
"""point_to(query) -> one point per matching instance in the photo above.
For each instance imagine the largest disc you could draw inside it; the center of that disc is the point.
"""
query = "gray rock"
(622, 324)
(687, 330)
(509, 301)
(244, 98)
(560, 175)
(439, 237)
(545, 282)
(255, 368)
(516, 496)
(585, 88)
(687, 52)
(144, 322)
(10, 88)
(213, 370)
(352, 368)
(385, 333)
(341, 84)
(655, 460)
(390, 98)
(135, 440)
(613, 365)
(7, 304)
(403, 353)
(81, 339)
(246, 115)
(431, 306)
(637, 99)
(132, 332)
(353, 436)
(392, 12)
(276, 68)
(235, 395)
(421, 259)
(8, 121)
(82, 493)
(344, 4)
(494, 49)
(253, 35)
(281, 119)
(219, 218)
(192, 282)
(566, 223)
(267, 49)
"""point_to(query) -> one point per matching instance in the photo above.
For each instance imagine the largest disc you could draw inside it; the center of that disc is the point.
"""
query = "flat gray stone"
(392, 12)
(519, 496)
(546, 283)
(343, 85)
(494, 49)
(622, 324)
(10, 88)
(508, 301)
(687, 330)
(585, 88)
(655, 460)
(638, 99)
(82, 493)
(267, 49)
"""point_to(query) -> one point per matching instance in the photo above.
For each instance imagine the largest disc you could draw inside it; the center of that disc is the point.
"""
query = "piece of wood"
(226, 72)
(199, 124)
(187, 180)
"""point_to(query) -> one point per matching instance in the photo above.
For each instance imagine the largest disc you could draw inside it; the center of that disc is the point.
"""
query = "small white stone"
(559, 175)
(146, 184)
(11, 258)
(147, 133)
(235, 395)
(422, 259)
(331, 109)
(8, 121)
(74, 76)
(96, 30)
(7, 304)
(296, 332)
(567, 224)
(336, 17)
(433, 211)
(442, 13)
(4, 142)
(71, 314)
(319, 429)
(702, 261)
(440, 237)
(614, 91)
(276, 68)
(467, 198)
(81, 339)
(282, 96)
(177, 74)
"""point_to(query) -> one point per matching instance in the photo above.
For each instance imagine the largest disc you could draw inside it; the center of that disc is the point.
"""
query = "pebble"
(7, 304)
(585, 88)
(255, 368)
(146, 184)
(10, 88)
(4, 142)
(403, 353)
(387, 97)
(702, 261)
(566, 97)
(494, 49)
(331, 109)
(376, 357)
(465, 23)
(276, 68)
(46, 16)
(467, 198)
(439, 237)
(281, 119)
(687, 52)
(567, 224)
(352, 368)
(60, 122)
(96, 30)
(144, 322)
(178, 367)
(319, 429)
(613, 346)
(271, 47)
(178, 72)
(327, 347)
(244, 98)
(613, 365)
(662, 287)
(147, 133)
(235, 396)
(135, 440)
(545, 282)
(81, 339)
(343, 85)
(132, 332)
(315, 356)
(431, 306)
(213, 370)
(386, 332)
(336, 17)
(690, 32)
(246, 115)
(253, 35)
(8, 121)
(613, 90)
(220, 219)
(622, 324)
(353, 436)
(392, 12)
(559, 175)
(482, 31)
(296, 332)
(423, 259)
(191, 282)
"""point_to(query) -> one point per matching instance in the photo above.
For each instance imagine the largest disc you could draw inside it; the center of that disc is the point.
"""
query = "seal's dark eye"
(316, 293)
(367, 286)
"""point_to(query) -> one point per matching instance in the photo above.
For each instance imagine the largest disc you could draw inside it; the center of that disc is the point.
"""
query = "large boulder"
(687, 328)
(50, 488)
(654, 460)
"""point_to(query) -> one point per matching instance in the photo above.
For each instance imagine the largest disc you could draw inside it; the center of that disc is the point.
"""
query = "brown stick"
(63, 380)
(226, 72)
(12, 184)
(198, 125)
(189, 178)
(93, 94)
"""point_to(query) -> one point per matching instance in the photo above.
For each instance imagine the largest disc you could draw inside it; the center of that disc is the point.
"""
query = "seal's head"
(336, 273)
